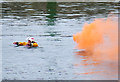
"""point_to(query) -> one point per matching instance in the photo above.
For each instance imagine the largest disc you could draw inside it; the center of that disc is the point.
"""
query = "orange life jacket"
(26, 43)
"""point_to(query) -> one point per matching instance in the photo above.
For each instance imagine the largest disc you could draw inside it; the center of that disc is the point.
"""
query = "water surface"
(52, 24)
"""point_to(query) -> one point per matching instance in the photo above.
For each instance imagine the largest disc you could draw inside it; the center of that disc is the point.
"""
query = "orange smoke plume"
(100, 38)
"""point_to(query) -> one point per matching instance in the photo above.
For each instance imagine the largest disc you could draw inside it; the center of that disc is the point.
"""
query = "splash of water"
(99, 38)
